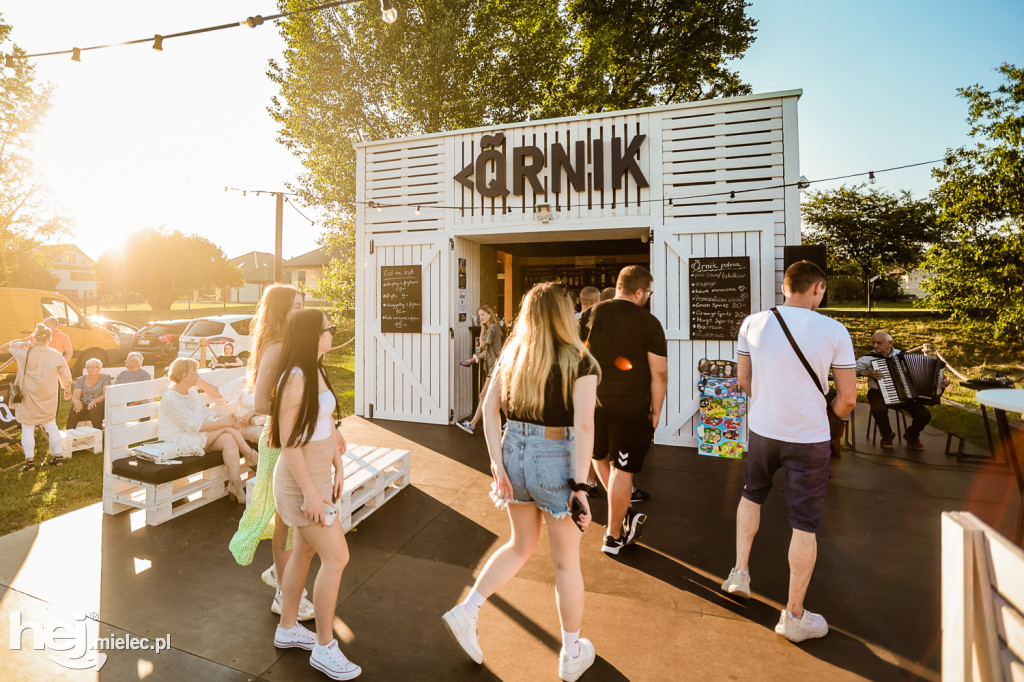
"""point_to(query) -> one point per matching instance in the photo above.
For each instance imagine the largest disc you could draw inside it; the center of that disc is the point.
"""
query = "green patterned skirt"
(257, 523)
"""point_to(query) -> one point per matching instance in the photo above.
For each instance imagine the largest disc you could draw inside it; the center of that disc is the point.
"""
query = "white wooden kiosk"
(437, 205)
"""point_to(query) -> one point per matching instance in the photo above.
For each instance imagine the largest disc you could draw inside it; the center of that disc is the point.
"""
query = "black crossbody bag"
(17, 390)
(836, 426)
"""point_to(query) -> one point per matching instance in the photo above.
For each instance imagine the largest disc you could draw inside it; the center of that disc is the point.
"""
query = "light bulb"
(871, 177)
(158, 43)
(417, 210)
(388, 11)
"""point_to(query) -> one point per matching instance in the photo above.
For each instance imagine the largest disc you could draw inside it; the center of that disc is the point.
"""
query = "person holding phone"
(305, 489)
(546, 381)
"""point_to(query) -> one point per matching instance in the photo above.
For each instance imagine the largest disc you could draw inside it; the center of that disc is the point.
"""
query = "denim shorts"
(539, 468)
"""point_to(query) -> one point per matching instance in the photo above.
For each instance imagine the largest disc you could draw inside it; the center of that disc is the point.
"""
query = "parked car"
(217, 330)
(22, 309)
(158, 341)
(124, 332)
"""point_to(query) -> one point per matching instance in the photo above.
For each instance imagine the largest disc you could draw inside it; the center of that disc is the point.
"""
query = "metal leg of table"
(1010, 451)
(988, 431)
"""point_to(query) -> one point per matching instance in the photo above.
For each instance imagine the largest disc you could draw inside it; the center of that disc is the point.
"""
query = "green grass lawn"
(875, 305)
(30, 497)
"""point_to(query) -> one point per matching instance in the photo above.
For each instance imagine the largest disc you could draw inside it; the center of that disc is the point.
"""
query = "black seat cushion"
(148, 472)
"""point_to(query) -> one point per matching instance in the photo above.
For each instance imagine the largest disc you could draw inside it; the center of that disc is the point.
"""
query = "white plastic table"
(1003, 400)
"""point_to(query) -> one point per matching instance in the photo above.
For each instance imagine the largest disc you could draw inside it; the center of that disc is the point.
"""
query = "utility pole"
(279, 196)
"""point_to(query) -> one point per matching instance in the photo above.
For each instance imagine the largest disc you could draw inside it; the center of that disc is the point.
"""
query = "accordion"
(907, 377)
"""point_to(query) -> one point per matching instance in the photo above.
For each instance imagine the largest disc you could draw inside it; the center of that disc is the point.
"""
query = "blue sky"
(140, 138)
(880, 77)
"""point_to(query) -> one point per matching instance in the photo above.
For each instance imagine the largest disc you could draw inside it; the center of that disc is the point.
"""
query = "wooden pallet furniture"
(163, 491)
(373, 476)
(982, 602)
(81, 438)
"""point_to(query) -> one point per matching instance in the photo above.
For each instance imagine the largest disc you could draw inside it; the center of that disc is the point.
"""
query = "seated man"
(919, 414)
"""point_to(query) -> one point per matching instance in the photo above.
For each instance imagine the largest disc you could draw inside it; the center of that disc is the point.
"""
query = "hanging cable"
(158, 40)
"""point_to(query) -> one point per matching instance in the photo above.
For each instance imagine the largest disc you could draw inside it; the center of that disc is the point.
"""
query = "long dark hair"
(300, 348)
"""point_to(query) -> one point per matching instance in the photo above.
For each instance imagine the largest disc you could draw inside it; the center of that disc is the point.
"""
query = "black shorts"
(807, 471)
(624, 431)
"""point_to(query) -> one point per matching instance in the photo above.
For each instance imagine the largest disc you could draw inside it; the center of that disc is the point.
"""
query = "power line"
(674, 201)
(159, 38)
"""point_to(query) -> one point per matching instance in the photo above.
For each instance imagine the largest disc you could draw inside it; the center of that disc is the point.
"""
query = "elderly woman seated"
(186, 421)
(87, 399)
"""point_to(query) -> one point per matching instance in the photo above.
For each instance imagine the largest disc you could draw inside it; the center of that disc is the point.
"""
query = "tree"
(337, 285)
(872, 229)
(348, 77)
(164, 266)
(25, 221)
(979, 273)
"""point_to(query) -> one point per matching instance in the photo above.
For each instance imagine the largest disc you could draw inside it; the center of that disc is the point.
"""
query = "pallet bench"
(81, 438)
(163, 491)
(372, 477)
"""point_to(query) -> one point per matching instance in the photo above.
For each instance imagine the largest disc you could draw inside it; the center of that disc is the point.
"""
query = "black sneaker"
(612, 545)
(639, 495)
(632, 526)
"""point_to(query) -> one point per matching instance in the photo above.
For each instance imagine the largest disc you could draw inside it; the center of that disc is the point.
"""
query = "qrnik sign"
(488, 172)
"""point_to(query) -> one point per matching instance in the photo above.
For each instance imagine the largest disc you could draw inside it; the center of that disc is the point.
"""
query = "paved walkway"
(654, 614)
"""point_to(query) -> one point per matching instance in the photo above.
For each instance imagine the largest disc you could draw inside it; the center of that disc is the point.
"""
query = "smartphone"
(330, 513)
(576, 510)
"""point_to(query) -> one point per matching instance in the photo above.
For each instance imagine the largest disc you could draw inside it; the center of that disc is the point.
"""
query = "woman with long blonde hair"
(260, 520)
(487, 357)
(546, 381)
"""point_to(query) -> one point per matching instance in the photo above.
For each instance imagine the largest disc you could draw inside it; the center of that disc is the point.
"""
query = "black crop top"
(557, 413)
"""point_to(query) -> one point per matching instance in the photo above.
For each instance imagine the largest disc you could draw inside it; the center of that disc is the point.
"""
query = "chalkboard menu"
(719, 297)
(401, 299)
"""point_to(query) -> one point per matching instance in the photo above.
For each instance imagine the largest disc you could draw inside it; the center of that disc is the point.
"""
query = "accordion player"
(896, 380)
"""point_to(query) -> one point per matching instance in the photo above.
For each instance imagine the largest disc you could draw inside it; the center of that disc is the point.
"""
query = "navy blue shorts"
(806, 466)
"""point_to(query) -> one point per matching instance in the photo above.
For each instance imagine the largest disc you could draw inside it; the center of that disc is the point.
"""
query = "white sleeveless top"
(325, 420)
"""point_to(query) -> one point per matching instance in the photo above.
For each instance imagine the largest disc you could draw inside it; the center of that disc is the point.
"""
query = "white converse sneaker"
(466, 426)
(808, 626)
(737, 583)
(305, 606)
(331, 662)
(463, 629)
(296, 638)
(270, 576)
(570, 669)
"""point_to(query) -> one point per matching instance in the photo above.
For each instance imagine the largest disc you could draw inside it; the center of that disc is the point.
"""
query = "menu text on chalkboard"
(401, 299)
(719, 297)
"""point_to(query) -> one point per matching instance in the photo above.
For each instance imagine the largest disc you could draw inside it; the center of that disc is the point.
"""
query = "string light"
(390, 14)
(802, 183)
(417, 210)
(388, 11)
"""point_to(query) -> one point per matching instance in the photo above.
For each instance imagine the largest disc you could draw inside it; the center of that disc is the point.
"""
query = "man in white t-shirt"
(789, 430)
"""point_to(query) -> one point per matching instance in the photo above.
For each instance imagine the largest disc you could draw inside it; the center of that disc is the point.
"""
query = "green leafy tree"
(337, 286)
(25, 218)
(164, 266)
(979, 272)
(348, 77)
(869, 228)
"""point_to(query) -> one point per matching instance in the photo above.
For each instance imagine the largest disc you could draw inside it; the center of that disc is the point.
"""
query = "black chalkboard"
(719, 297)
(401, 299)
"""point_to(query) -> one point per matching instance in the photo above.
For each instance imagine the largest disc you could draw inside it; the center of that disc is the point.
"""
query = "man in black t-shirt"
(629, 344)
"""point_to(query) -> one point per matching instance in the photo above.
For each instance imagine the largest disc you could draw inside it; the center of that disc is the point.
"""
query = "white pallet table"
(124, 430)
(81, 438)
(373, 476)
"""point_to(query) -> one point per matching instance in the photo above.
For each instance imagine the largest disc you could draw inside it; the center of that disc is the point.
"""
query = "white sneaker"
(331, 662)
(463, 629)
(296, 638)
(466, 426)
(809, 626)
(570, 669)
(305, 606)
(737, 583)
(270, 576)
